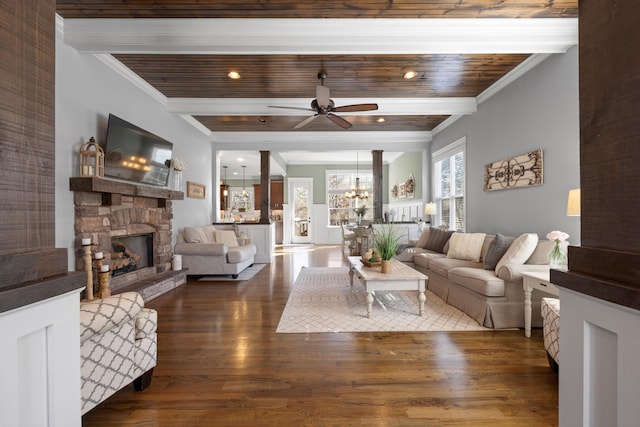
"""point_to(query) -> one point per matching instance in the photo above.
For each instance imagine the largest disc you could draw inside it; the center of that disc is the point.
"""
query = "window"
(340, 207)
(449, 184)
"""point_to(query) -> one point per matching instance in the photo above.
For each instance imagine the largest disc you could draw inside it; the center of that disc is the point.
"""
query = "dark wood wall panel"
(27, 125)
(607, 265)
(610, 125)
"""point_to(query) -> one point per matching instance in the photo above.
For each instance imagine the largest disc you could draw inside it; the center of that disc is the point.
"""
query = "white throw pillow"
(228, 237)
(466, 246)
(195, 235)
(519, 251)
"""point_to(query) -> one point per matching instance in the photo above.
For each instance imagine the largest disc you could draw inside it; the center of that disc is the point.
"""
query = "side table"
(535, 280)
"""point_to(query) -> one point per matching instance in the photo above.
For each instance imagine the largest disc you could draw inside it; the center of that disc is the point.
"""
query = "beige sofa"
(207, 251)
(481, 279)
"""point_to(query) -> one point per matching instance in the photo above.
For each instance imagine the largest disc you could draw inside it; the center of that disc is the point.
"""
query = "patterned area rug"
(246, 274)
(322, 301)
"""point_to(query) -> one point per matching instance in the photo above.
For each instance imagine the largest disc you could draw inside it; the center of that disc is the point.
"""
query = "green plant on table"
(361, 210)
(386, 241)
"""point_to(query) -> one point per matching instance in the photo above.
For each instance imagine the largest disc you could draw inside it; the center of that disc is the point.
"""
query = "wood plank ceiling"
(273, 76)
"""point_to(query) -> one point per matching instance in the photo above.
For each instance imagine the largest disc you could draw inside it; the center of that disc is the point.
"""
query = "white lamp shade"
(573, 202)
(430, 208)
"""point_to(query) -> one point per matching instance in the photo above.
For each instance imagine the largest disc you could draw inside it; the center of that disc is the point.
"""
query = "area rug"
(322, 300)
(246, 274)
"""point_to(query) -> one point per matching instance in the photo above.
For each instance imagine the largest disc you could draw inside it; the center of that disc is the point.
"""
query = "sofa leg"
(552, 363)
(234, 276)
(143, 381)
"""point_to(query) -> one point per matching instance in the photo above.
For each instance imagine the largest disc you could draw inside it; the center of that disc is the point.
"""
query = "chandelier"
(357, 192)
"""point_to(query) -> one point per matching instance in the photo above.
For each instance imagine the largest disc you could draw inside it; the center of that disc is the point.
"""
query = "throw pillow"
(422, 240)
(541, 255)
(228, 237)
(466, 246)
(496, 250)
(519, 251)
(195, 235)
(437, 239)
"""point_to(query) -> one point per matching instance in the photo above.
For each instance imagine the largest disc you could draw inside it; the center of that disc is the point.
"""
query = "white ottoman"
(550, 308)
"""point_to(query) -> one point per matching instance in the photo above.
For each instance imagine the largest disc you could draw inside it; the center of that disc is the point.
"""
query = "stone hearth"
(107, 209)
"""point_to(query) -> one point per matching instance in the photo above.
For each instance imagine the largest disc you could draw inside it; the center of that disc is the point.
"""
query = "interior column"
(377, 185)
(265, 200)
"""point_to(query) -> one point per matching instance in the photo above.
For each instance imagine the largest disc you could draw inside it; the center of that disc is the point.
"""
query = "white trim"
(449, 149)
(261, 106)
(321, 36)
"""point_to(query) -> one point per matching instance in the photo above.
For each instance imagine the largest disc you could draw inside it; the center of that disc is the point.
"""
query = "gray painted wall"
(399, 171)
(86, 92)
(539, 110)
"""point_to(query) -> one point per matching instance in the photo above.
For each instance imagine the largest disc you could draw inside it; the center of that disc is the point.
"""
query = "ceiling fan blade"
(305, 121)
(291, 108)
(323, 96)
(355, 107)
(339, 121)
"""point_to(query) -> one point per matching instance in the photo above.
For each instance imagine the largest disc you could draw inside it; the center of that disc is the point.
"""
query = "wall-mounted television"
(134, 154)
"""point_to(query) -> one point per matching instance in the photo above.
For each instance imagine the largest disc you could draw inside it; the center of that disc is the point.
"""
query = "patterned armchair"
(118, 345)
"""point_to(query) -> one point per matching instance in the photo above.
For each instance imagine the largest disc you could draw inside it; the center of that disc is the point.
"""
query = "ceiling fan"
(323, 106)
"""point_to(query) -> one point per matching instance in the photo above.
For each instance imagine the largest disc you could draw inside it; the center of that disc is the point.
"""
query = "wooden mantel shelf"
(100, 185)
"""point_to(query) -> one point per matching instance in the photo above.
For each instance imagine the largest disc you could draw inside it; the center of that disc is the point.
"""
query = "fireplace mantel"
(106, 186)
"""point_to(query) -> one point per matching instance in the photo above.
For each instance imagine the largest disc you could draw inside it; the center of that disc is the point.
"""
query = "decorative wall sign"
(195, 191)
(410, 187)
(394, 191)
(520, 171)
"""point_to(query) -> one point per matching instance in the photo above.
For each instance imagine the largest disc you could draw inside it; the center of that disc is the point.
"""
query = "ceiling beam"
(260, 106)
(321, 36)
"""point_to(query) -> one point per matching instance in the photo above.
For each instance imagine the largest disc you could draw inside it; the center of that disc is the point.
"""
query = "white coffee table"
(401, 278)
(535, 280)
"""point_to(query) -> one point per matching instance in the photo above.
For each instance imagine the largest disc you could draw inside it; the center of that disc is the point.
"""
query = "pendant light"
(225, 192)
(244, 190)
(357, 192)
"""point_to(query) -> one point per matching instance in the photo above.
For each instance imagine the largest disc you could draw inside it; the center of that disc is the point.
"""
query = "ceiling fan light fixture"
(233, 75)
(410, 75)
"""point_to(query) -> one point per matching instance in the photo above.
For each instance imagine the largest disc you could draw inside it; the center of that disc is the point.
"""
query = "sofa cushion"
(442, 265)
(519, 251)
(200, 234)
(423, 258)
(227, 237)
(496, 251)
(241, 253)
(478, 280)
(408, 254)
(205, 249)
(466, 246)
(437, 239)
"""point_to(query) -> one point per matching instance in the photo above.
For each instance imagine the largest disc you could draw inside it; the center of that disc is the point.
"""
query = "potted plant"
(360, 212)
(385, 242)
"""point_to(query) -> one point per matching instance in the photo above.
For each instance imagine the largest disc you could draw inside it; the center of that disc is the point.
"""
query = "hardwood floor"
(220, 363)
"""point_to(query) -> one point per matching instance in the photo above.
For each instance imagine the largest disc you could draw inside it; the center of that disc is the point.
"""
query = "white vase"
(558, 257)
(176, 181)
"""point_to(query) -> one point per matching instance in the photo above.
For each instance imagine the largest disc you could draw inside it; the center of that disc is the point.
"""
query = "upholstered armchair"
(118, 345)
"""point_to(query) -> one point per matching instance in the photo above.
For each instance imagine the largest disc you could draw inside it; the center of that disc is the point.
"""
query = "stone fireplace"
(130, 224)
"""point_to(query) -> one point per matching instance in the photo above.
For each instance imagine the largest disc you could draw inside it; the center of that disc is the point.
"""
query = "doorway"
(301, 202)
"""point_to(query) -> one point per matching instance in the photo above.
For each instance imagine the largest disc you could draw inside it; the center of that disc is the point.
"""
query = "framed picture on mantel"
(195, 191)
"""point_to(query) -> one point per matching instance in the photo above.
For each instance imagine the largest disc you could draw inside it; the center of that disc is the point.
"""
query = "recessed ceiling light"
(262, 120)
(234, 75)
(410, 74)
(380, 120)
(240, 159)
